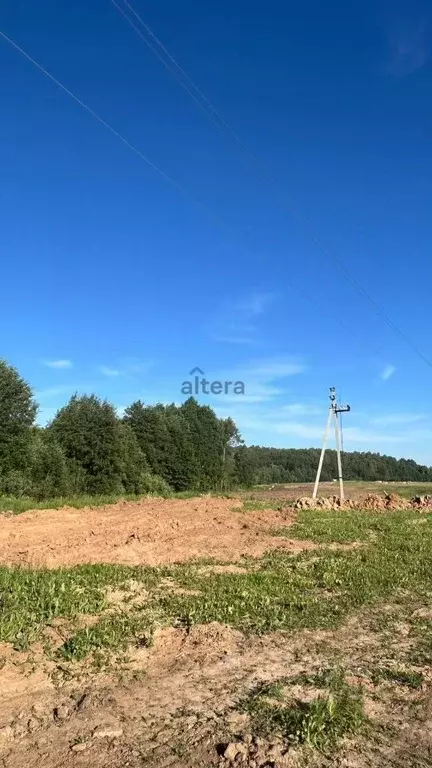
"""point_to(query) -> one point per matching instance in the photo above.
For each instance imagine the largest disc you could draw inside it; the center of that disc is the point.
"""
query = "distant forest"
(299, 465)
(88, 449)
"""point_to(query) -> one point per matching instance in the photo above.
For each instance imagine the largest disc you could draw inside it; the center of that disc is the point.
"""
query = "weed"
(331, 678)
(110, 633)
(31, 599)
(411, 678)
(319, 723)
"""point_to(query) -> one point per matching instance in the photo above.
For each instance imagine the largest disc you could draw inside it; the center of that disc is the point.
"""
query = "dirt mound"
(421, 502)
(372, 502)
(151, 531)
(322, 502)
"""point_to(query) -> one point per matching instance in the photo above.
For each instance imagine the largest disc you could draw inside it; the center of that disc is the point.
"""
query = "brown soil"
(151, 531)
(176, 703)
(186, 704)
(357, 494)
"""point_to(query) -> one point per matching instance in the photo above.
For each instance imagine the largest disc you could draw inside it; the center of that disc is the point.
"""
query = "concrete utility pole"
(334, 410)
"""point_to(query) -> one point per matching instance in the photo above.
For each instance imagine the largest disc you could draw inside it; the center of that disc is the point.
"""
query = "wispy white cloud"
(237, 322)
(301, 409)
(267, 430)
(263, 379)
(58, 363)
(409, 46)
(393, 419)
(126, 367)
(106, 370)
(387, 372)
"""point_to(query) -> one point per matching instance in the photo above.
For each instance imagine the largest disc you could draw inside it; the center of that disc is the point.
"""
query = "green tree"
(87, 429)
(231, 439)
(182, 468)
(150, 428)
(244, 467)
(48, 470)
(17, 414)
(134, 469)
(207, 440)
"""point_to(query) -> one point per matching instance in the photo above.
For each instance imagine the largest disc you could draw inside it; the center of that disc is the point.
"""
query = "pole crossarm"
(341, 408)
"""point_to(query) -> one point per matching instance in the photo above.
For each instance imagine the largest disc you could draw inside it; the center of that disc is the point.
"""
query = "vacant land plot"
(353, 490)
(152, 531)
(219, 634)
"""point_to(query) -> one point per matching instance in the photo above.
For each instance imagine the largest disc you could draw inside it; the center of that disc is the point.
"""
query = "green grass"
(31, 599)
(315, 589)
(344, 527)
(15, 505)
(407, 491)
(410, 678)
(319, 723)
(18, 505)
(111, 633)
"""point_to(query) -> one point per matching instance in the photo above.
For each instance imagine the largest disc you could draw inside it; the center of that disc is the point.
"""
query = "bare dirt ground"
(183, 709)
(177, 703)
(151, 531)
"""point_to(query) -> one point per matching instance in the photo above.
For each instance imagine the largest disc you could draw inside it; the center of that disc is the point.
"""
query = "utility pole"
(334, 410)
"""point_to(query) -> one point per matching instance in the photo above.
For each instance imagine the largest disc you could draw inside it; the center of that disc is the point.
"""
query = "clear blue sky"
(115, 282)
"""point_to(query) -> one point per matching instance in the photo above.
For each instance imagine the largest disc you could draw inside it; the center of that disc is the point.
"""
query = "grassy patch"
(342, 526)
(12, 504)
(253, 505)
(18, 505)
(408, 491)
(410, 678)
(319, 723)
(30, 599)
(312, 589)
(315, 589)
(109, 634)
(331, 678)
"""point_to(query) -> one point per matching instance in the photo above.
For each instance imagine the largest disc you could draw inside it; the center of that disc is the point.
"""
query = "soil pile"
(373, 502)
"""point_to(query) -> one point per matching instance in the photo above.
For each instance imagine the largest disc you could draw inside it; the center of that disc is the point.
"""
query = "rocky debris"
(32, 724)
(6, 734)
(81, 746)
(372, 502)
(306, 502)
(61, 712)
(235, 748)
(108, 731)
(255, 752)
(238, 723)
(376, 502)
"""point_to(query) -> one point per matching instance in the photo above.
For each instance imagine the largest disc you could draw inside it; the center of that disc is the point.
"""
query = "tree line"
(88, 449)
(299, 465)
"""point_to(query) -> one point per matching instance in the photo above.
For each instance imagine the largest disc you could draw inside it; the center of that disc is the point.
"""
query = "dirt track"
(151, 531)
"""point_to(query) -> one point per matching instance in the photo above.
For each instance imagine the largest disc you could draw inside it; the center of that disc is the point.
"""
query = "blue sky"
(115, 281)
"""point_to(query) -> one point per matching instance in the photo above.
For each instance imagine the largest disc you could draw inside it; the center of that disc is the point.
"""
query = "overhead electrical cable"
(216, 218)
(186, 82)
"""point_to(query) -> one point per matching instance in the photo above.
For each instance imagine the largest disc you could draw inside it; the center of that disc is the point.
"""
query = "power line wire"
(212, 113)
(160, 171)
